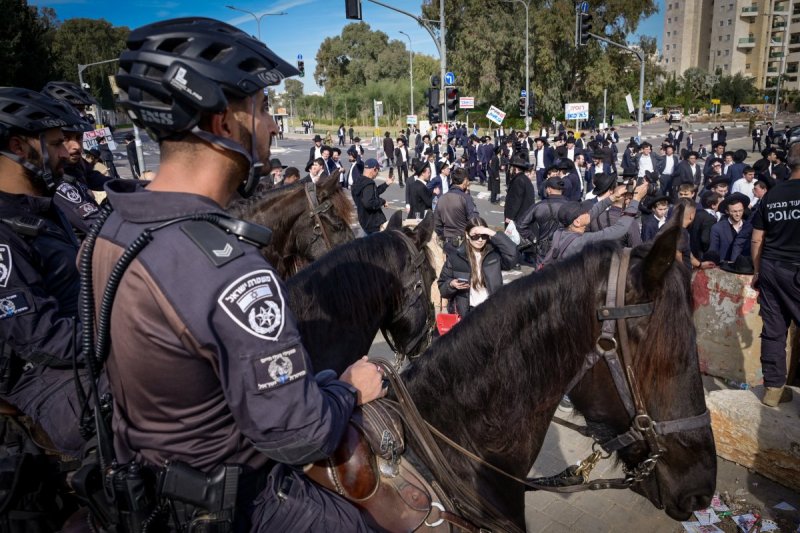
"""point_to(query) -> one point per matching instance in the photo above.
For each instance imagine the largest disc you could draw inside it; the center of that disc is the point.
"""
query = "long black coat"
(501, 255)
(420, 198)
(521, 195)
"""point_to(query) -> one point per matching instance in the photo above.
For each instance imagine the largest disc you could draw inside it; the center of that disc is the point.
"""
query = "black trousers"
(402, 172)
(779, 298)
(756, 142)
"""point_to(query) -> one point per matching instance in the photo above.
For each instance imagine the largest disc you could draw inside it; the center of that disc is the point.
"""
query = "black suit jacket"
(419, 197)
(700, 232)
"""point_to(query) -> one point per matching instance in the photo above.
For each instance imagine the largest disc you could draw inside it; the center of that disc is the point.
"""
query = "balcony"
(747, 42)
(778, 25)
(749, 11)
(781, 9)
(775, 55)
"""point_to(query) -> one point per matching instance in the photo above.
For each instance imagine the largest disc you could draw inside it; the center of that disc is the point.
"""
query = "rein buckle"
(586, 466)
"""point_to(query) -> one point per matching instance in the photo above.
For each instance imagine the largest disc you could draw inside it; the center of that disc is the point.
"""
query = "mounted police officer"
(73, 193)
(206, 364)
(39, 283)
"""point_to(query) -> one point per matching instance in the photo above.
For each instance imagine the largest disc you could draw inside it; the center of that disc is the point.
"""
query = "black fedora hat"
(519, 162)
(420, 167)
(276, 163)
(742, 265)
(603, 183)
(317, 138)
(733, 198)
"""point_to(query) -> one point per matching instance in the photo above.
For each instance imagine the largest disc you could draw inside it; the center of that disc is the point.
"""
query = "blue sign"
(648, 105)
(449, 78)
(523, 93)
(299, 56)
(584, 7)
(766, 98)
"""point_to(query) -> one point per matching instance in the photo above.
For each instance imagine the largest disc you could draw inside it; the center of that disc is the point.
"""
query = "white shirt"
(736, 227)
(669, 165)
(716, 214)
(571, 154)
(742, 186)
(317, 152)
(540, 159)
(661, 221)
(404, 154)
(645, 164)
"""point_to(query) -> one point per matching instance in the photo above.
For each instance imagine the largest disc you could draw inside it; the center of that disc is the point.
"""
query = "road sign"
(629, 101)
(715, 101)
(523, 93)
(411, 120)
(584, 7)
(442, 130)
(466, 102)
(648, 104)
(577, 111)
(379, 108)
(449, 78)
(495, 115)
(766, 98)
(299, 56)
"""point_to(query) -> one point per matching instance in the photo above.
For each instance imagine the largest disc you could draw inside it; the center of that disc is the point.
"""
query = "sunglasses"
(479, 237)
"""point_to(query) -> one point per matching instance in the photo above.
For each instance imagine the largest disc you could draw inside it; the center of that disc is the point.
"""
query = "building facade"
(757, 38)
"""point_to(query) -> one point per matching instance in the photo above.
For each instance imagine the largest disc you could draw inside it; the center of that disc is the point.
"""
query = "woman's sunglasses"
(479, 237)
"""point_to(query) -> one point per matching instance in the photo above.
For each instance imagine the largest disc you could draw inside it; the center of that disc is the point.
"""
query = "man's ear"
(222, 124)
(18, 146)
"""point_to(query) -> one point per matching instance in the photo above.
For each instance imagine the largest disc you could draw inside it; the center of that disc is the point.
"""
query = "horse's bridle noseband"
(413, 290)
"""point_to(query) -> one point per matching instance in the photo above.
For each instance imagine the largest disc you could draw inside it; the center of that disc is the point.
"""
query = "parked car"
(784, 142)
(646, 116)
(674, 115)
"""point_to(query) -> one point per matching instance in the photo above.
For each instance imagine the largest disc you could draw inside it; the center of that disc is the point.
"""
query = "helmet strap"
(43, 172)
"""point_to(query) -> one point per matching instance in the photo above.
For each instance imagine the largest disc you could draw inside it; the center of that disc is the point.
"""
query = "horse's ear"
(395, 221)
(326, 187)
(663, 253)
(424, 231)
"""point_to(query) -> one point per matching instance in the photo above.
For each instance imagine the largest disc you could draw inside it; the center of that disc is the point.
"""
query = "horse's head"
(672, 459)
(408, 331)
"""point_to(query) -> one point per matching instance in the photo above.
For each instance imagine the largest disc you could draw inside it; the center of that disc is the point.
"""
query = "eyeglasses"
(479, 237)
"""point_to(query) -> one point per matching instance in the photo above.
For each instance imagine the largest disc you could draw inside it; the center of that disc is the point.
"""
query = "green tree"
(26, 34)
(294, 89)
(735, 90)
(83, 41)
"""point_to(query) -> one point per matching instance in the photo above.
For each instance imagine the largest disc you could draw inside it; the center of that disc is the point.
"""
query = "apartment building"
(758, 38)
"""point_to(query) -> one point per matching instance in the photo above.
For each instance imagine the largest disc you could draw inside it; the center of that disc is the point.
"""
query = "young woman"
(473, 271)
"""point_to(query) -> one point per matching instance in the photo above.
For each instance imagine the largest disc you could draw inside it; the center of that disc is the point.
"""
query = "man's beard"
(247, 144)
(34, 158)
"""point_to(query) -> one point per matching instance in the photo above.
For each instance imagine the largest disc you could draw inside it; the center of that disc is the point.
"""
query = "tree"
(83, 41)
(735, 90)
(294, 89)
(26, 33)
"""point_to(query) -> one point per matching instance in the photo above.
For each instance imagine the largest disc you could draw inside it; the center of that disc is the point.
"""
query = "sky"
(300, 32)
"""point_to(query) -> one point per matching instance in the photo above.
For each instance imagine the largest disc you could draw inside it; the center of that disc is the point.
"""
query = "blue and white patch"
(86, 210)
(69, 192)
(13, 304)
(256, 304)
(279, 369)
(5, 264)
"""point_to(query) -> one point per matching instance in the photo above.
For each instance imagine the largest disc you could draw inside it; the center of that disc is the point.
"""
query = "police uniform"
(207, 365)
(778, 275)
(39, 331)
(73, 196)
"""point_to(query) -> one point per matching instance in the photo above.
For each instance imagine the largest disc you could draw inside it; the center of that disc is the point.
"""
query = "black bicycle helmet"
(173, 71)
(34, 113)
(68, 92)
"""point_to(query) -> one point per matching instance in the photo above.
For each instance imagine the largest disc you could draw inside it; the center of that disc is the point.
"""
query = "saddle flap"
(351, 470)
(382, 426)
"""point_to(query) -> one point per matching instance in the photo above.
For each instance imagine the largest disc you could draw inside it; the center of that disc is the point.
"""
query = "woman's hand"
(480, 230)
(459, 285)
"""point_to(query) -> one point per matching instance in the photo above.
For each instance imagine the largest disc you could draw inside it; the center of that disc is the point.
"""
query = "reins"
(575, 478)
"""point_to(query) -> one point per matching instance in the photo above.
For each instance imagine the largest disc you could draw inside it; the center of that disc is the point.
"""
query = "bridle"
(413, 291)
(613, 316)
(315, 209)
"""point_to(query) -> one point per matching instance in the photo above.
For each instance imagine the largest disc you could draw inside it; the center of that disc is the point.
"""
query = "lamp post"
(527, 63)
(411, 70)
(257, 17)
(784, 51)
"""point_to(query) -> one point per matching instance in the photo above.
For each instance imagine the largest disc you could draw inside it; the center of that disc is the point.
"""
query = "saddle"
(367, 469)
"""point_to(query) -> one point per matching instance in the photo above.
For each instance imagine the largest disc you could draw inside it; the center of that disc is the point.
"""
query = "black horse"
(493, 383)
(344, 298)
(306, 220)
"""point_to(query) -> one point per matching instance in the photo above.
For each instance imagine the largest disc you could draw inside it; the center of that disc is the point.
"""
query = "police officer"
(39, 284)
(73, 192)
(214, 372)
(775, 248)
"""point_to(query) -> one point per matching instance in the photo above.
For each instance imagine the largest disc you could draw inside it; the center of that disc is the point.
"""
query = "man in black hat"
(667, 167)
(133, 159)
(402, 159)
(718, 148)
(493, 174)
(768, 160)
(757, 134)
(603, 188)
(543, 158)
(573, 191)
(315, 151)
(355, 171)
(655, 220)
(367, 197)
(521, 194)
(273, 179)
(730, 237)
(420, 197)
(576, 217)
(714, 174)
(688, 171)
(719, 185)
(540, 222)
(776, 260)
(629, 155)
(704, 220)
(780, 171)
(454, 210)
(770, 133)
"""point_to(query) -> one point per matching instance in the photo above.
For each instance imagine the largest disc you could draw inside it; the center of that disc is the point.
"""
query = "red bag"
(446, 321)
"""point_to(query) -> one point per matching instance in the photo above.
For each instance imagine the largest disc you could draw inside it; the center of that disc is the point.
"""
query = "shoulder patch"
(87, 209)
(215, 243)
(70, 192)
(279, 369)
(5, 264)
(256, 304)
(14, 304)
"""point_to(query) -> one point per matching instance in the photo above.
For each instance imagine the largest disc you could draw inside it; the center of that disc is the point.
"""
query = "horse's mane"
(364, 269)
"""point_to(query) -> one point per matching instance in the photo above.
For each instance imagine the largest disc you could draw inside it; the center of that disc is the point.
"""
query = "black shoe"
(402, 186)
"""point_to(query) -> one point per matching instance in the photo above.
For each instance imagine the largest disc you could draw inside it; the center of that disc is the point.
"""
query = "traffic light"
(451, 102)
(434, 114)
(522, 106)
(585, 29)
(352, 9)
(531, 105)
(301, 66)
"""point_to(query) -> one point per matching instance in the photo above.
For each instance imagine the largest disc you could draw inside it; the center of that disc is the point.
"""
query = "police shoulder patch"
(279, 369)
(5, 264)
(14, 304)
(255, 303)
(70, 192)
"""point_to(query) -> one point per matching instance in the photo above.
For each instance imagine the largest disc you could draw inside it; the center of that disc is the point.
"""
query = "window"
(676, 5)
(719, 38)
(721, 23)
(728, 37)
(667, 34)
(669, 21)
(730, 22)
(719, 53)
(673, 59)
(727, 52)
(747, 66)
(667, 47)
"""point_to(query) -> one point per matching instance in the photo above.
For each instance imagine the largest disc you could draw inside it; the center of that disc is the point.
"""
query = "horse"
(337, 324)
(306, 220)
(492, 384)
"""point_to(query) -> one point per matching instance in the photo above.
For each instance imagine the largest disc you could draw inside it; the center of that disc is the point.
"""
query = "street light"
(784, 51)
(257, 17)
(411, 70)
(527, 64)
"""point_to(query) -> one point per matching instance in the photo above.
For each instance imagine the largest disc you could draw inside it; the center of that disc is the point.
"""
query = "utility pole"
(411, 70)
(527, 64)
(257, 17)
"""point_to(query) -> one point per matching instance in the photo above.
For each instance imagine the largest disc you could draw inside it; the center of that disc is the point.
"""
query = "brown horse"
(306, 220)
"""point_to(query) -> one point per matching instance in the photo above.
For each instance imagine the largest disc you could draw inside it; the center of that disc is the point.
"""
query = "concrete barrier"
(726, 316)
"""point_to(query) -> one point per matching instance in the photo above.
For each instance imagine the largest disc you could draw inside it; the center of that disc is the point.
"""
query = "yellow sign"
(113, 82)
(715, 101)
